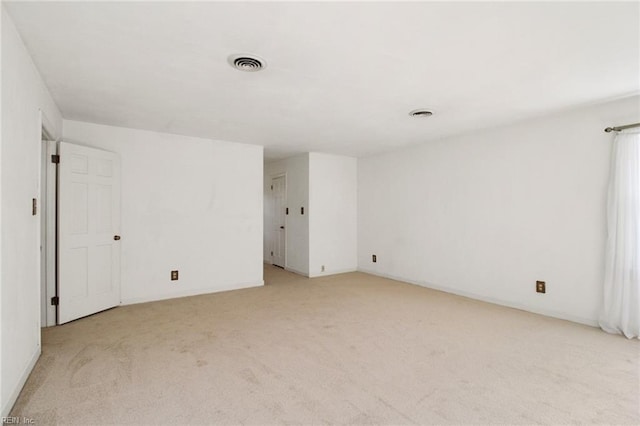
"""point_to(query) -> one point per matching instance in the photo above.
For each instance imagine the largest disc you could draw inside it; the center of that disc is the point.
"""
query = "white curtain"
(621, 308)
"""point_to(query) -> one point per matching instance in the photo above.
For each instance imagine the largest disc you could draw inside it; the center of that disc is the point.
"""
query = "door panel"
(88, 220)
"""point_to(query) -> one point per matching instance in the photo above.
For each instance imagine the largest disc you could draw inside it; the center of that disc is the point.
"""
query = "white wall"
(333, 199)
(326, 186)
(189, 204)
(296, 224)
(24, 96)
(486, 215)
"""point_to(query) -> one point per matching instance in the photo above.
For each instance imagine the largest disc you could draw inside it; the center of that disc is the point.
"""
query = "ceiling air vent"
(249, 63)
(420, 113)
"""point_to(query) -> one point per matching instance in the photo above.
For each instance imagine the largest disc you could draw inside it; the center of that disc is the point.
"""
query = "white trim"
(50, 248)
(49, 129)
(187, 293)
(328, 273)
(48, 138)
(295, 271)
(23, 379)
(545, 312)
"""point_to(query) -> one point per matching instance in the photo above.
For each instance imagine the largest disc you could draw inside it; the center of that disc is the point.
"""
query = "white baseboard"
(8, 404)
(290, 269)
(320, 274)
(186, 293)
(548, 313)
(336, 272)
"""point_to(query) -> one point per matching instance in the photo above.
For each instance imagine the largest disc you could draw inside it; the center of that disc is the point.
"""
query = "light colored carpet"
(351, 348)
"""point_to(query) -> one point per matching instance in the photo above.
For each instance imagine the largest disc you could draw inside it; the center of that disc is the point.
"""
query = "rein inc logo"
(18, 421)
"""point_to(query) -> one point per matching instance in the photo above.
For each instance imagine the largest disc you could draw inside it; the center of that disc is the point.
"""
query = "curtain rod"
(618, 128)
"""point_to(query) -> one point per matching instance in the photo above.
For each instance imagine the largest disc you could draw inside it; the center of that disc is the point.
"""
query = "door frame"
(48, 223)
(273, 219)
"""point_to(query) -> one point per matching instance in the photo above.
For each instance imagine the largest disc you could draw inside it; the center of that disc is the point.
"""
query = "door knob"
(282, 227)
(116, 237)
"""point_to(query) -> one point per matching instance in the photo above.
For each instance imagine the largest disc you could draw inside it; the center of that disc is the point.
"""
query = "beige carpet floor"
(351, 348)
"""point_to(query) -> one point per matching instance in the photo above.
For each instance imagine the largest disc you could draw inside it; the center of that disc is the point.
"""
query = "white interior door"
(88, 231)
(279, 206)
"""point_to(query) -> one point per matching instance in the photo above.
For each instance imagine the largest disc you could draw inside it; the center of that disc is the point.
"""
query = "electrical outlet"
(374, 258)
(322, 268)
(174, 275)
(541, 287)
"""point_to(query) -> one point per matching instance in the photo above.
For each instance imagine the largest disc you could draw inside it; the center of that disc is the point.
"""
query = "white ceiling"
(341, 77)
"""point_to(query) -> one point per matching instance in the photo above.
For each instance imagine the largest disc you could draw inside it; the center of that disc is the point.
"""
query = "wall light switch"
(174, 275)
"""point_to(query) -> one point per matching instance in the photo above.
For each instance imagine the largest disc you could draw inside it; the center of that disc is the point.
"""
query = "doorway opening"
(279, 231)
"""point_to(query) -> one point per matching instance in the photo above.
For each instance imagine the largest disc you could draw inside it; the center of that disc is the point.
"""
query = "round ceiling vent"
(421, 113)
(248, 63)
